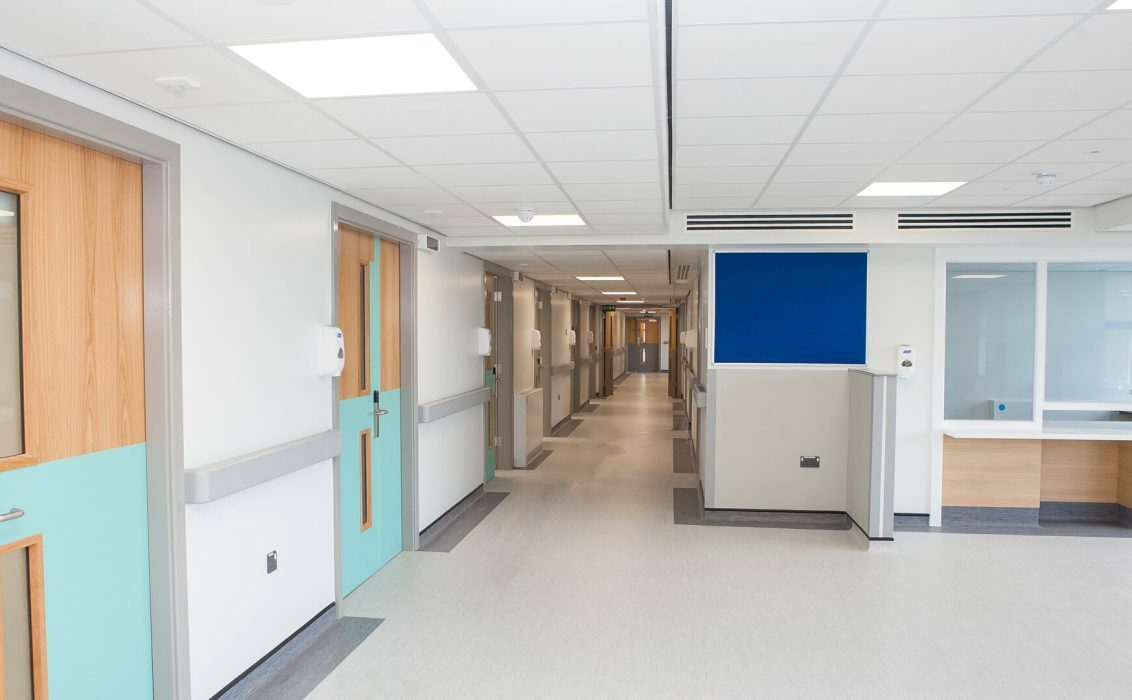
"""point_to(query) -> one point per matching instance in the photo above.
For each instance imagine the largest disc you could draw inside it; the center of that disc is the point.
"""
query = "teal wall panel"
(92, 513)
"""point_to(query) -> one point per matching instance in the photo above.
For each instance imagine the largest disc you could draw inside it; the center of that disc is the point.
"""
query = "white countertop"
(1050, 430)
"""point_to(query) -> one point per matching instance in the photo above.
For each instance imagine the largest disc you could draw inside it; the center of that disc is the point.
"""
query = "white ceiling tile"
(708, 156)
(224, 80)
(228, 22)
(468, 231)
(427, 197)
(870, 94)
(436, 150)
(747, 97)
(1113, 126)
(599, 220)
(612, 191)
(619, 206)
(1120, 172)
(812, 189)
(763, 50)
(442, 222)
(693, 131)
(1028, 172)
(797, 203)
(934, 172)
(969, 151)
(750, 191)
(976, 201)
(305, 155)
(508, 208)
(1085, 151)
(418, 115)
(581, 110)
(486, 174)
(370, 178)
(655, 259)
(739, 11)
(974, 45)
(1059, 91)
(888, 202)
(516, 195)
(730, 174)
(1100, 43)
(827, 173)
(712, 203)
(1054, 199)
(260, 123)
(999, 188)
(417, 211)
(978, 8)
(629, 230)
(595, 145)
(846, 153)
(49, 27)
(1097, 186)
(1012, 126)
(864, 128)
(607, 171)
(614, 55)
(500, 13)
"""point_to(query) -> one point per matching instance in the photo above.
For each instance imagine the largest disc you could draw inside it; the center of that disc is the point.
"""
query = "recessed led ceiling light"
(542, 220)
(1121, 5)
(620, 294)
(5, 212)
(977, 277)
(630, 301)
(908, 189)
(601, 279)
(373, 65)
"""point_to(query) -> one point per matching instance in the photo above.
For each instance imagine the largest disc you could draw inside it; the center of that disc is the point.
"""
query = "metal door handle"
(381, 411)
(11, 515)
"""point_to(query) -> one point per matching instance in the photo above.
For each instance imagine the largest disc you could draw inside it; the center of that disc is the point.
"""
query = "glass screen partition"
(11, 391)
(990, 341)
(1089, 333)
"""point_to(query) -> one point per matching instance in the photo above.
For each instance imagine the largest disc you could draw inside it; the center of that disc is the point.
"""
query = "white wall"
(450, 303)
(525, 318)
(560, 354)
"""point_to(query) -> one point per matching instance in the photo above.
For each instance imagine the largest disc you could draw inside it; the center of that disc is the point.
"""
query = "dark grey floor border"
(590, 407)
(687, 509)
(454, 532)
(296, 667)
(1064, 520)
(566, 427)
(965, 516)
(623, 377)
(683, 461)
(539, 459)
(438, 525)
(1079, 512)
(679, 421)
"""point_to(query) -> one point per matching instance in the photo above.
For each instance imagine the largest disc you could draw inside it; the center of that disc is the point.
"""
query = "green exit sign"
(608, 307)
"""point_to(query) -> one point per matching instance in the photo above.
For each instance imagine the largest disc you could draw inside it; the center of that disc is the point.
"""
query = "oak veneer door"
(369, 401)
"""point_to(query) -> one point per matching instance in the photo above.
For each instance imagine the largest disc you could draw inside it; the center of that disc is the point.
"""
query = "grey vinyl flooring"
(565, 428)
(683, 461)
(454, 532)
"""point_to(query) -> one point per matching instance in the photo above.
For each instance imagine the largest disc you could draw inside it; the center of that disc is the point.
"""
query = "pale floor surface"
(579, 586)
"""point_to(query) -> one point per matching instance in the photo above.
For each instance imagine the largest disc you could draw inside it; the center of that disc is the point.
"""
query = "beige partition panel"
(992, 473)
(1124, 475)
(1079, 471)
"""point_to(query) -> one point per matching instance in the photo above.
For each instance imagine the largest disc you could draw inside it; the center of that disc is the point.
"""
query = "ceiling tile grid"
(780, 104)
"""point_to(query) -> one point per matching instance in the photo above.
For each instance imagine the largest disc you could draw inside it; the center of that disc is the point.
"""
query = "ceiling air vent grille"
(770, 222)
(682, 272)
(1003, 220)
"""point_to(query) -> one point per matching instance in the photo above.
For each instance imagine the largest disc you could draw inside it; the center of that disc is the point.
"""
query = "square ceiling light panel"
(542, 220)
(376, 65)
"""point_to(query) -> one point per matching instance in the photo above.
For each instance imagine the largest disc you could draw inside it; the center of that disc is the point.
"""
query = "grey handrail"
(441, 408)
(209, 483)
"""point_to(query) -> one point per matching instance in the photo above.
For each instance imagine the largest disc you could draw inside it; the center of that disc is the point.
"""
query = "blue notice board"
(790, 308)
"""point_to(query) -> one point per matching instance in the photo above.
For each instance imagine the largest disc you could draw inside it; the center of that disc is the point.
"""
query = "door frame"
(504, 341)
(380, 229)
(160, 161)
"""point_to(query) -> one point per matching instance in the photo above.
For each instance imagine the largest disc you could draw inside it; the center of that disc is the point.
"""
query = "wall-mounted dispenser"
(589, 337)
(536, 340)
(483, 342)
(905, 361)
(331, 351)
(572, 337)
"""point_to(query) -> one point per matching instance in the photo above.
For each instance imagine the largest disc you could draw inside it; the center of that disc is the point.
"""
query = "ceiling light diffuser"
(908, 189)
(1121, 5)
(630, 301)
(977, 277)
(620, 294)
(601, 279)
(375, 65)
(542, 220)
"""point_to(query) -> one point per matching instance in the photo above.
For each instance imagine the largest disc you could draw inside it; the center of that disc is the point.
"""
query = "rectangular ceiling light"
(372, 65)
(542, 220)
(978, 277)
(630, 301)
(620, 294)
(1121, 5)
(601, 279)
(908, 189)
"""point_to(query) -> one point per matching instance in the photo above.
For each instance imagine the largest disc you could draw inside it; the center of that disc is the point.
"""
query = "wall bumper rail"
(435, 410)
(215, 481)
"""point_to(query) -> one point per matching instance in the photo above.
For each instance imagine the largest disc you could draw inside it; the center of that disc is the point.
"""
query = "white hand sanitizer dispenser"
(331, 351)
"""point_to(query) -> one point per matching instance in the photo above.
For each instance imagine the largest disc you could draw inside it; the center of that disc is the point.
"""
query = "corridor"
(579, 585)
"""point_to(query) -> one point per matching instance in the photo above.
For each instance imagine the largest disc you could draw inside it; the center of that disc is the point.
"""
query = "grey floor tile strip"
(789, 521)
(1046, 529)
(964, 516)
(293, 671)
(588, 408)
(1078, 512)
(446, 539)
(682, 459)
(534, 463)
(686, 508)
(565, 428)
(679, 422)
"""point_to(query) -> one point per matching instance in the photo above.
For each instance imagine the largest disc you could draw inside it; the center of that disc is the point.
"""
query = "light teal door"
(369, 414)
(491, 422)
